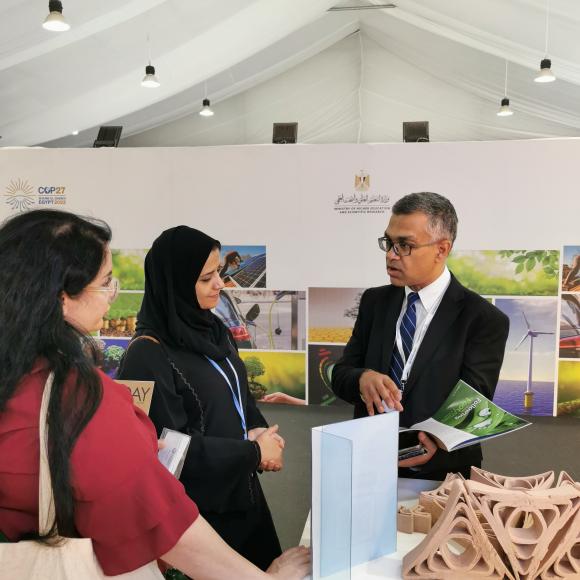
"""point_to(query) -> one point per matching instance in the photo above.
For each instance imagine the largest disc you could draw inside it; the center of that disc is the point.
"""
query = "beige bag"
(74, 558)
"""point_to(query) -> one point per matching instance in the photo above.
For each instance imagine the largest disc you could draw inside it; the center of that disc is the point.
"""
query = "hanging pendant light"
(546, 75)
(206, 109)
(150, 80)
(504, 109)
(55, 21)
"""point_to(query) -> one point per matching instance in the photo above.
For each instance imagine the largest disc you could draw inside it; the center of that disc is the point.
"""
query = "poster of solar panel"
(243, 266)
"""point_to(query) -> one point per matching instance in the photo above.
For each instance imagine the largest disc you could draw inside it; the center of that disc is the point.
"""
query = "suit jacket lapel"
(393, 309)
(448, 310)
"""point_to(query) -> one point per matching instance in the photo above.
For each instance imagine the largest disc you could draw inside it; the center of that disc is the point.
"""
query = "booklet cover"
(467, 417)
(173, 453)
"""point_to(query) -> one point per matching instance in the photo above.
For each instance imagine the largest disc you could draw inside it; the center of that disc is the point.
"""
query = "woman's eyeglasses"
(112, 288)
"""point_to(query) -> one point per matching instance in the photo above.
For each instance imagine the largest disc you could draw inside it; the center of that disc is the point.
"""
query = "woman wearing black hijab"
(201, 389)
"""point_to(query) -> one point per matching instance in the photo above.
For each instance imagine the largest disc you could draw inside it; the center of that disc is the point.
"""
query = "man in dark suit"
(415, 338)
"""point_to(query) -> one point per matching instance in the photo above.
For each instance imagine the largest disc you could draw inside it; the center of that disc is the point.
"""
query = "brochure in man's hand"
(467, 417)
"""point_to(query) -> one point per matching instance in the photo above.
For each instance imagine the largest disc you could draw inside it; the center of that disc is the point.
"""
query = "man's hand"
(375, 388)
(429, 445)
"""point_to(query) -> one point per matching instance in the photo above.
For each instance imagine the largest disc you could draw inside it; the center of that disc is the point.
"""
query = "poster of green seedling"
(121, 319)
(507, 272)
(129, 268)
(569, 388)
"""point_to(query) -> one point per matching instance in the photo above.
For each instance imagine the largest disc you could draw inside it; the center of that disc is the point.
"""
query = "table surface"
(387, 567)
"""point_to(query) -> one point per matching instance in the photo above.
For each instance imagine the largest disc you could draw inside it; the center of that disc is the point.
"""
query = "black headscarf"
(170, 310)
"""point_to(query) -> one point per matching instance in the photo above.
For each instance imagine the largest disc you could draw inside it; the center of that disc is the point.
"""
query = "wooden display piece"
(421, 520)
(541, 481)
(501, 527)
(413, 520)
(563, 478)
(564, 561)
(527, 523)
(404, 520)
(456, 548)
(434, 501)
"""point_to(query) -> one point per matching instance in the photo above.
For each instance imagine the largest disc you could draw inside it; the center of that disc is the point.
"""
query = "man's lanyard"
(237, 401)
(417, 340)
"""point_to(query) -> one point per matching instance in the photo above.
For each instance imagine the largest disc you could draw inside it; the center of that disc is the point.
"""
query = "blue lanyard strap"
(237, 400)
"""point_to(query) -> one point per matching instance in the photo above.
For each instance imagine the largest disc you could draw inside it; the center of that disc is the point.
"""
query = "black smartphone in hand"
(413, 451)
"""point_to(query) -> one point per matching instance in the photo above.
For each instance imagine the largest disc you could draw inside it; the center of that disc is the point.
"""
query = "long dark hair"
(44, 253)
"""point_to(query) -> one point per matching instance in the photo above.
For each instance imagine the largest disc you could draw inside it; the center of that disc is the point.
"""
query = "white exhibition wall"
(309, 205)
(507, 194)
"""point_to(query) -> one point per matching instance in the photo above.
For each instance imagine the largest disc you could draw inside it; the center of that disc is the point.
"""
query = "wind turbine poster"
(526, 384)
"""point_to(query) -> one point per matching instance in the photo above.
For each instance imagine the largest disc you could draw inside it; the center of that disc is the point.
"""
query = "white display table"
(388, 567)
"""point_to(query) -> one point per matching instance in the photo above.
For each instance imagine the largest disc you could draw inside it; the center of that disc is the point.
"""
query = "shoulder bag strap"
(181, 376)
(146, 336)
(46, 510)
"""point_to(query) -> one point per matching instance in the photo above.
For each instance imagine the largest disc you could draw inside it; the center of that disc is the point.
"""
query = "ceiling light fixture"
(206, 109)
(150, 80)
(504, 109)
(55, 21)
(546, 75)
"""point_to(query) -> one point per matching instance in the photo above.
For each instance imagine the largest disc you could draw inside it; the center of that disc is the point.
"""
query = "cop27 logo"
(20, 195)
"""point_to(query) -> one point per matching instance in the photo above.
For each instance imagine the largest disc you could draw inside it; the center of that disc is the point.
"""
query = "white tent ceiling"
(344, 76)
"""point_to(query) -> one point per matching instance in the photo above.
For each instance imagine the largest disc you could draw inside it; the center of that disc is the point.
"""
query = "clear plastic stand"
(354, 494)
(336, 507)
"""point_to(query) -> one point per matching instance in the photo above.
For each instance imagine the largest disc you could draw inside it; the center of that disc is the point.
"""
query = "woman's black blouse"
(219, 470)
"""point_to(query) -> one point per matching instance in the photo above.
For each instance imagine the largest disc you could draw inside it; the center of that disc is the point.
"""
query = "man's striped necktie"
(408, 324)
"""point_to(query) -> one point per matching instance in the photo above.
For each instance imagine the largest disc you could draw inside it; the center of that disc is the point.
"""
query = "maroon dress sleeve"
(125, 500)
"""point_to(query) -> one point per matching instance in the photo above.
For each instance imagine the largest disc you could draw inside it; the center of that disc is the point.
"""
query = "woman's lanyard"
(238, 400)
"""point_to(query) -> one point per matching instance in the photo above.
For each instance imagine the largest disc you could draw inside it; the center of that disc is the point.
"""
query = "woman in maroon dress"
(108, 485)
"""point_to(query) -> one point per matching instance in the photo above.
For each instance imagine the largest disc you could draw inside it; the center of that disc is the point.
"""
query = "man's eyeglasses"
(401, 248)
(112, 288)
